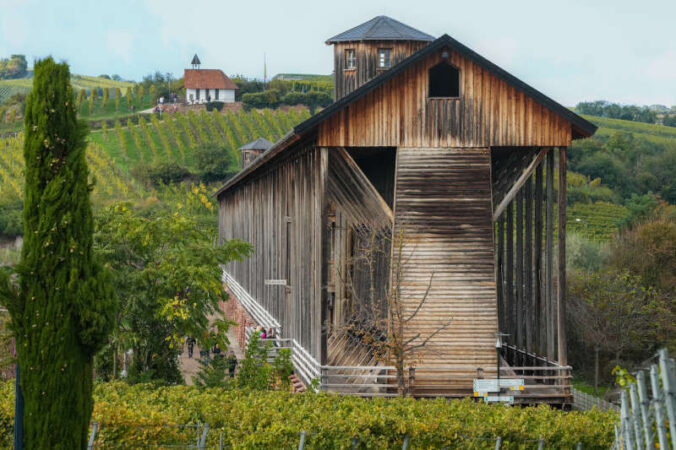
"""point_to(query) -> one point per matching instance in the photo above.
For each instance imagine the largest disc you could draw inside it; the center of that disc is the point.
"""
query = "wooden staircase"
(297, 385)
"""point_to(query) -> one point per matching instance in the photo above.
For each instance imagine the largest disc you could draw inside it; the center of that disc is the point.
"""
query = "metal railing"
(643, 423)
(544, 380)
(255, 310)
(584, 402)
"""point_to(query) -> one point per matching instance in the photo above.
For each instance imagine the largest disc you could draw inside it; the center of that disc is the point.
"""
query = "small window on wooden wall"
(350, 59)
(384, 57)
(444, 80)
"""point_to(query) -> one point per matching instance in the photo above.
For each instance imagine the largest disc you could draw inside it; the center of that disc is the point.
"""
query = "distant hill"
(14, 86)
(659, 134)
(302, 76)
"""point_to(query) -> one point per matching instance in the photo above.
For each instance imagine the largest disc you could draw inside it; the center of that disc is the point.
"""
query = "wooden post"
(541, 332)
(528, 263)
(519, 272)
(324, 235)
(509, 288)
(549, 263)
(561, 297)
(500, 275)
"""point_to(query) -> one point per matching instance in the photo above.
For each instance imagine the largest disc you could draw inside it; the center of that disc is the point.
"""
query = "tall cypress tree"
(63, 305)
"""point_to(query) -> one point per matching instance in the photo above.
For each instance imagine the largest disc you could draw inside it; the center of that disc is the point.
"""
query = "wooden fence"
(644, 420)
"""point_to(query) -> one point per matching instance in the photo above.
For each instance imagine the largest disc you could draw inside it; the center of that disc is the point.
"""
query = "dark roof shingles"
(381, 28)
(258, 144)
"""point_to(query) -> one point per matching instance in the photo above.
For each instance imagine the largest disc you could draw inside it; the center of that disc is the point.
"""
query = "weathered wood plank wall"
(366, 53)
(279, 211)
(443, 215)
(489, 112)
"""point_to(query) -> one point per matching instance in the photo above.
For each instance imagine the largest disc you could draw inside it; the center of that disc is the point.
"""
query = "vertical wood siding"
(489, 112)
(366, 54)
(443, 214)
(279, 213)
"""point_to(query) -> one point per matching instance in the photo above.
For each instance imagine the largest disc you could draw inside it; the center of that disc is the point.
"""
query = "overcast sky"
(572, 50)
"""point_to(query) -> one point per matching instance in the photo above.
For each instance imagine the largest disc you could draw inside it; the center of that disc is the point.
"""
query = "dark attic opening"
(377, 163)
(444, 80)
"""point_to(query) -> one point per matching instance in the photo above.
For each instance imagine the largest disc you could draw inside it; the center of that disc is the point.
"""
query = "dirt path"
(190, 366)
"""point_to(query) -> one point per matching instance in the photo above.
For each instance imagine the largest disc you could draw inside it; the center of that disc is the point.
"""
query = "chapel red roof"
(207, 79)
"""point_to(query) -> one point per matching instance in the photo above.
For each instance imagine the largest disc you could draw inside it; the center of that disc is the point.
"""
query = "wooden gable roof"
(392, 109)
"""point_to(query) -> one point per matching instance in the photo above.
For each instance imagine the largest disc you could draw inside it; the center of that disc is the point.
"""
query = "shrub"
(254, 371)
(215, 105)
(311, 99)
(11, 217)
(273, 419)
(161, 173)
(266, 99)
(215, 162)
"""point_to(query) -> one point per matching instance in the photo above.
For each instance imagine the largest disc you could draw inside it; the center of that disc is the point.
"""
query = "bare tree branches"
(381, 318)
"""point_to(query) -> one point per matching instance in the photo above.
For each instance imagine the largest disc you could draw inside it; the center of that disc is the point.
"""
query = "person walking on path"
(216, 351)
(191, 346)
(232, 363)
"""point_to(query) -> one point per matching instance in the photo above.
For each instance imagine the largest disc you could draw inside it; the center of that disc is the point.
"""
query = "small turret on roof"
(381, 28)
(195, 62)
(251, 150)
(258, 144)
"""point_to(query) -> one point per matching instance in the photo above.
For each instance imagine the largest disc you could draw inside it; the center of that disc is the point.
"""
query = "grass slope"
(11, 87)
(655, 133)
(172, 138)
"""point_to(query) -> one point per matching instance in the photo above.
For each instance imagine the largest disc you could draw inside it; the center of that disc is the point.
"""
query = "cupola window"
(444, 80)
(384, 58)
(350, 59)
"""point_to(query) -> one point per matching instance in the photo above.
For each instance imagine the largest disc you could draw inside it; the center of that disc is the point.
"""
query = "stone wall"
(233, 310)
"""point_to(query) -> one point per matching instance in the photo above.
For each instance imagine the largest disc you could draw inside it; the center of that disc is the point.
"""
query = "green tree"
(12, 115)
(213, 374)
(254, 370)
(215, 162)
(167, 275)
(649, 251)
(152, 92)
(62, 305)
(141, 94)
(106, 94)
(128, 95)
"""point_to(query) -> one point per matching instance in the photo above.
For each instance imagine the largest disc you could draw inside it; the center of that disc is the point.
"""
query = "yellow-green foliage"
(132, 417)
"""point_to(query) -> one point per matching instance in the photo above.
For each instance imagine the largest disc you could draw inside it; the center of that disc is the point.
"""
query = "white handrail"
(257, 312)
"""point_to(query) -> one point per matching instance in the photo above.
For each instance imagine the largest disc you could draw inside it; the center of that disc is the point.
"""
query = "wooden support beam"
(528, 263)
(527, 172)
(561, 297)
(325, 236)
(361, 183)
(519, 272)
(502, 310)
(540, 329)
(549, 259)
(509, 285)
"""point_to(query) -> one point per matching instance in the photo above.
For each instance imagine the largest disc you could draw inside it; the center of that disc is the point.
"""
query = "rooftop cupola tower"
(365, 51)
(195, 63)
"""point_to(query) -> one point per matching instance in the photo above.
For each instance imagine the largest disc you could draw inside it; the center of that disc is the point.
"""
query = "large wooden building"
(454, 160)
